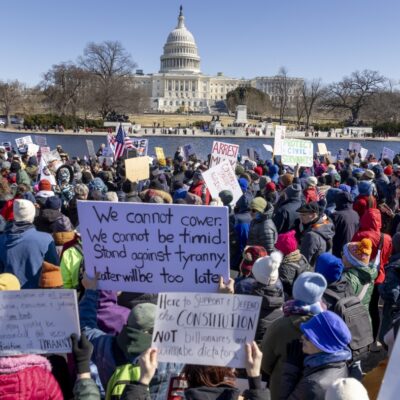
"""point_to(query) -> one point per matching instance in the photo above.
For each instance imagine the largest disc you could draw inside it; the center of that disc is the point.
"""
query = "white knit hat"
(24, 211)
(346, 389)
(265, 269)
(312, 181)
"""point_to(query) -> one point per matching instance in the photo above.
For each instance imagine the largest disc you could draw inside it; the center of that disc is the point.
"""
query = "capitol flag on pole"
(119, 143)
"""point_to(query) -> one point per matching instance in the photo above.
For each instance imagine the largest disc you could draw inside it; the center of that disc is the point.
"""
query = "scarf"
(316, 360)
(297, 307)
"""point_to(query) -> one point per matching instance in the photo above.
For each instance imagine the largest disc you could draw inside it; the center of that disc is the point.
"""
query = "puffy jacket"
(27, 377)
(86, 389)
(364, 203)
(370, 228)
(263, 231)
(317, 239)
(51, 221)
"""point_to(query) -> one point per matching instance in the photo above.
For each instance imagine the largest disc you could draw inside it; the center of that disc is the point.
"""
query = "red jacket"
(311, 194)
(27, 377)
(363, 203)
(200, 189)
(370, 228)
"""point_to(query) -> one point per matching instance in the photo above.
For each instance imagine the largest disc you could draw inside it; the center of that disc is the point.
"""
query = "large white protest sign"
(322, 149)
(149, 248)
(224, 151)
(32, 149)
(22, 141)
(222, 177)
(90, 147)
(279, 135)
(387, 153)
(205, 329)
(296, 151)
(37, 321)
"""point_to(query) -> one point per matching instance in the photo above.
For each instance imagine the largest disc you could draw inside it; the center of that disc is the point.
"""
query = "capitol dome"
(180, 50)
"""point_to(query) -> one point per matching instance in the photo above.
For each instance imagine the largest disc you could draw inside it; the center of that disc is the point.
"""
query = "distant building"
(180, 84)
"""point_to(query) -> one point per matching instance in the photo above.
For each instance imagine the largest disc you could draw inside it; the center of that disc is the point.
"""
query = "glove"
(82, 350)
(294, 353)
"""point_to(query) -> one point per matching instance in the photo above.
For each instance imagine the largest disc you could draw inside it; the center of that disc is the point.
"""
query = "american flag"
(120, 143)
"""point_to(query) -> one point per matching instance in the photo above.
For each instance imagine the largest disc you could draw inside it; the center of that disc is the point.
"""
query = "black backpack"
(356, 317)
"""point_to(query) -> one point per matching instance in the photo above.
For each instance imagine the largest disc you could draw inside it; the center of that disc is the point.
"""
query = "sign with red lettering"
(224, 151)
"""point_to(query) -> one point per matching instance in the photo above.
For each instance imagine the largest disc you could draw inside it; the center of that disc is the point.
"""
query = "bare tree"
(282, 92)
(298, 100)
(112, 66)
(310, 93)
(11, 97)
(353, 92)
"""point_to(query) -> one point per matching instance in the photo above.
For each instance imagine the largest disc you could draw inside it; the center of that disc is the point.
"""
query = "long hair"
(205, 375)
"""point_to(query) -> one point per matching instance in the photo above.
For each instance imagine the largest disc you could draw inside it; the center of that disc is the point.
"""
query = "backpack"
(122, 376)
(356, 317)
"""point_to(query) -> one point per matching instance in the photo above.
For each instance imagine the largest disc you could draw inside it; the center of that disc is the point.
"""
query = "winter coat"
(358, 277)
(346, 222)
(341, 288)
(317, 239)
(286, 214)
(311, 194)
(86, 389)
(291, 267)
(27, 377)
(390, 293)
(271, 305)
(281, 332)
(23, 250)
(370, 228)
(51, 221)
(263, 231)
(314, 381)
(242, 228)
(70, 265)
(364, 203)
(23, 177)
(200, 189)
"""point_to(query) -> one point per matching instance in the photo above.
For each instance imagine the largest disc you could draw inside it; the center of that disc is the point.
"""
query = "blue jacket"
(23, 250)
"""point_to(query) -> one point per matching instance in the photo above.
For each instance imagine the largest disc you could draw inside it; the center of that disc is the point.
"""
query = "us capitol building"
(181, 85)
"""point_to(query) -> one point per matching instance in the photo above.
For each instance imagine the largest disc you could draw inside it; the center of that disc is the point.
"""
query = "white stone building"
(180, 84)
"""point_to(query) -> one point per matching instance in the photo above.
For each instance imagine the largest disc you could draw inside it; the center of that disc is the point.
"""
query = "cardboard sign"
(268, 148)
(205, 329)
(222, 177)
(387, 153)
(22, 141)
(280, 131)
(41, 141)
(296, 151)
(221, 152)
(160, 156)
(355, 147)
(137, 169)
(37, 321)
(90, 147)
(322, 149)
(141, 146)
(149, 248)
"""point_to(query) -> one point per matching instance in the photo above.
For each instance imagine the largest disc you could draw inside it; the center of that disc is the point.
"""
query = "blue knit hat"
(244, 184)
(365, 188)
(330, 267)
(309, 287)
(53, 203)
(327, 331)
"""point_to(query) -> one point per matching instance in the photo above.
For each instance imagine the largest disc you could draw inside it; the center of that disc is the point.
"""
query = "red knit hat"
(287, 242)
(250, 255)
(44, 184)
(388, 170)
(270, 187)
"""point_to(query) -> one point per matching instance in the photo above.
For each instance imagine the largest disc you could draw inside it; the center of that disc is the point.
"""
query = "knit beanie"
(9, 282)
(396, 242)
(142, 317)
(327, 331)
(226, 197)
(24, 211)
(346, 389)
(388, 170)
(309, 287)
(53, 203)
(365, 188)
(358, 253)
(250, 255)
(270, 187)
(330, 267)
(266, 269)
(311, 181)
(287, 242)
(259, 204)
(368, 175)
(50, 277)
(44, 184)
(243, 183)
(286, 179)
(239, 170)
(293, 191)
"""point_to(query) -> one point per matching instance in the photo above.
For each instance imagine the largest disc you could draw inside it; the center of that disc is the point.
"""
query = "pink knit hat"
(287, 242)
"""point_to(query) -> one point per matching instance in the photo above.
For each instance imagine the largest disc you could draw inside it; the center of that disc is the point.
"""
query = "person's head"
(326, 332)
(365, 188)
(45, 185)
(265, 269)
(50, 277)
(309, 287)
(250, 255)
(243, 183)
(330, 267)
(346, 389)
(311, 182)
(226, 197)
(309, 213)
(24, 211)
(9, 282)
(209, 376)
(53, 203)
(286, 180)
(111, 196)
(287, 242)
(81, 191)
(357, 254)
(258, 206)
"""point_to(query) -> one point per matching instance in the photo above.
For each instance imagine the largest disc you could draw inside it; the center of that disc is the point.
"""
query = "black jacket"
(286, 214)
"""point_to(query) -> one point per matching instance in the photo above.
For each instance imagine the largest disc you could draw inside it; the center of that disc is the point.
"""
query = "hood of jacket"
(14, 364)
(272, 295)
(325, 228)
(371, 220)
(364, 274)
(16, 232)
(212, 393)
(50, 215)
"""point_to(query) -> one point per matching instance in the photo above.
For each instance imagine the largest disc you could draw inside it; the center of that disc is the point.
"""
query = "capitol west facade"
(180, 84)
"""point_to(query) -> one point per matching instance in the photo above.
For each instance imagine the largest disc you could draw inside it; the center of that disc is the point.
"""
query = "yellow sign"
(160, 156)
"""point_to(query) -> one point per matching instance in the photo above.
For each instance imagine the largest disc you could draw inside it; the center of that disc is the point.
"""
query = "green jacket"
(358, 277)
(86, 389)
(282, 331)
(23, 177)
(70, 264)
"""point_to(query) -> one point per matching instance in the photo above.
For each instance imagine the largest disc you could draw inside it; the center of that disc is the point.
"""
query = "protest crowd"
(318, 245)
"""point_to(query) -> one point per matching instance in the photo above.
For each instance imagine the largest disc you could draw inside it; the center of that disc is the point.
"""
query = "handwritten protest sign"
(160, 156)
(363, 153)
(137, 168)
(22, 141)
(205, 329)
(35, 321)
(51, 156)
(355, 147)
(296, 151)
(224, 151)
(222, 177)
(279, 135)
(387, 153)
(322, 149)
(32, 149)
(268, 148)
(90, 147)
(41, 141)
(149, 248)
(141, 146)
